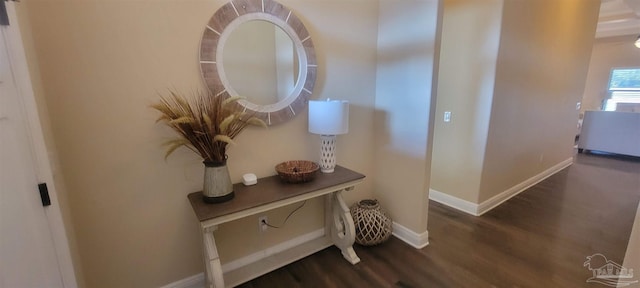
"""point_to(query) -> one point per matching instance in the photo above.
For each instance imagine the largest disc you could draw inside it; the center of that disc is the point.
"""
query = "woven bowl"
(297, 171)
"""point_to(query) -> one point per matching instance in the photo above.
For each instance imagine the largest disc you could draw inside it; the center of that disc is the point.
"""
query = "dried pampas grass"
(205, 122)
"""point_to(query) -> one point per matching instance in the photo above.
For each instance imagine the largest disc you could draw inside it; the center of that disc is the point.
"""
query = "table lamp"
(328, 119)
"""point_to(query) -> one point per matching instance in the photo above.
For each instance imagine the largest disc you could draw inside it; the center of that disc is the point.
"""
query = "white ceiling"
(618, 18)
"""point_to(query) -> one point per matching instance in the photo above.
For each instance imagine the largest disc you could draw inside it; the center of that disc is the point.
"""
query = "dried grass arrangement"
(205, 122)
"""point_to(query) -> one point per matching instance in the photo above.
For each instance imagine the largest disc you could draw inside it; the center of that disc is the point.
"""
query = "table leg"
(340, 225)
(213, 269)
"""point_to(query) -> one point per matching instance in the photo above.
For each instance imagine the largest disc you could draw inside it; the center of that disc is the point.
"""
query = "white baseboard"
(515, 190)
(479, 209)
(414, 239)
(197, 281)
(454, 202)
(632, 256)
(255, 257)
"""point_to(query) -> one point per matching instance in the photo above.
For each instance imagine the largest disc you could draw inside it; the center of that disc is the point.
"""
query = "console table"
(271, 193)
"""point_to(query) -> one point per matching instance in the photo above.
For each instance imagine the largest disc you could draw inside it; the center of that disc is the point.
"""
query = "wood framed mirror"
(230, 68)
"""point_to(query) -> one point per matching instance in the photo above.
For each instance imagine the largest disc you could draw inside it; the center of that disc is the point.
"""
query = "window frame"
(611, 78)
(609, 102)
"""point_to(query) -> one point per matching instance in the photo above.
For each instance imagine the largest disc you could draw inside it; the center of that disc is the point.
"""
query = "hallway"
(540, 238)
(543, 236)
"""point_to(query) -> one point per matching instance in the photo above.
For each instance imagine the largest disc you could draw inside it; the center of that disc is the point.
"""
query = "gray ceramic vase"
(217, 183)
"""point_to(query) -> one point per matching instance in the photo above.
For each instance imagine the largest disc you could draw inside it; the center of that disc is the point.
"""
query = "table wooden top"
(269, 189)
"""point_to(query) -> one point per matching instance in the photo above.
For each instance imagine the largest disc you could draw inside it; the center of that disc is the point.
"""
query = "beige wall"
(542, 65)
(102, 64)
(408, 43)
(470, 38)
(607, 53)
(511, 73)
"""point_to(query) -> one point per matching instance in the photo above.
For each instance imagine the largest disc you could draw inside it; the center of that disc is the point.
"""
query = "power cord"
(286, 219)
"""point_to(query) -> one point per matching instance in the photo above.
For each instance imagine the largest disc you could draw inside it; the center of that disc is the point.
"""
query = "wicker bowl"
(297, 171)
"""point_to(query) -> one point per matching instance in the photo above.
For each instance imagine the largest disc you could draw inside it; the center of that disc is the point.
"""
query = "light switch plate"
(447, 116)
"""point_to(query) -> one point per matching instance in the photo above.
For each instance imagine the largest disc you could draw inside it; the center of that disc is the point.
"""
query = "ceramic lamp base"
(327, 153)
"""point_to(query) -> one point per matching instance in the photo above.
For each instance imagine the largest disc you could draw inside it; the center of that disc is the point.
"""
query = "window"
(624, 90)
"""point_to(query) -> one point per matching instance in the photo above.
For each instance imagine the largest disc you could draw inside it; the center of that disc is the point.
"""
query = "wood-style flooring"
(540, 238)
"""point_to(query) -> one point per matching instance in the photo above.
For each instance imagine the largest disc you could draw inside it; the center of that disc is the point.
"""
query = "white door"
(27, 251)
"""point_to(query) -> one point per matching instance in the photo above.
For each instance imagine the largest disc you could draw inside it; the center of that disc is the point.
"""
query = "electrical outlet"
(262, 226)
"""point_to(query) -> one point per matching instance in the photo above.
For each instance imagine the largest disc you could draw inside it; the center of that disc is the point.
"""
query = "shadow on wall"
(401, 173)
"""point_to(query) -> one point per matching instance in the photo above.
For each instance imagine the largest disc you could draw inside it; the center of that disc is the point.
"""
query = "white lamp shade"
(330, 117)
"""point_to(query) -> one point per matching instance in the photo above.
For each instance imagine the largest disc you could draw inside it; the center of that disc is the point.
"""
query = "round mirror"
(260, 50)
(260, 63)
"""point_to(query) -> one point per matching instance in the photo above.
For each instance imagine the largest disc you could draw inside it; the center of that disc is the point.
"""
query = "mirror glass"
(260, 62)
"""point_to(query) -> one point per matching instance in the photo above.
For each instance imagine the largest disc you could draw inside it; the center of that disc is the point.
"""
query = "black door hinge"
(4, 18)
(44, 194)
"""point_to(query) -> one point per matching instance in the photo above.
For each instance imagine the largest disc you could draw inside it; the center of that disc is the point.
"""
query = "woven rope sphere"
(373, 226)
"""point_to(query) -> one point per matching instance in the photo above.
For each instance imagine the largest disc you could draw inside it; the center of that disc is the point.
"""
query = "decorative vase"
(217, 183)
(373, 225)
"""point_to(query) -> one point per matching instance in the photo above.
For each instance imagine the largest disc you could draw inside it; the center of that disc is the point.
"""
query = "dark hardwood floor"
(540, 238)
